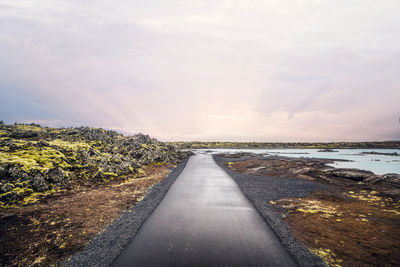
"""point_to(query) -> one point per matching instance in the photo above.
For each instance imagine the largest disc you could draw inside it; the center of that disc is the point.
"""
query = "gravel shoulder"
(262, 189)
(104, 248)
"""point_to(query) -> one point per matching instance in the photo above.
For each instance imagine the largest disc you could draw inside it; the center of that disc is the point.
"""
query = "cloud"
(182, 70)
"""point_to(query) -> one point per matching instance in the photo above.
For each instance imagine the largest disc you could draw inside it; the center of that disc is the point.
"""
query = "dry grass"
(353, 225)
(363, 230)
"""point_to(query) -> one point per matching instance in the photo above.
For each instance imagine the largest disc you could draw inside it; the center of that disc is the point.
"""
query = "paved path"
(204, 220)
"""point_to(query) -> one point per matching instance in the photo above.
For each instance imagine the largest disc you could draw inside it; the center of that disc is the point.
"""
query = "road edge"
(300, 253)
(104, 248)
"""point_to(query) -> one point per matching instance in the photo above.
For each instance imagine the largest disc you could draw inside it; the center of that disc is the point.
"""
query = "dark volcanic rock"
(39, 183)
(392, 179)
(35, 158)
(311, 169)
(352, 174)
(239, 155)
(327, 150)
(56, 175)
(380, 153)
(6, 187)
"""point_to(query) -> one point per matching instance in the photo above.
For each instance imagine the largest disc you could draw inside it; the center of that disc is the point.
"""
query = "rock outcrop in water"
(312, 169)
(327, 150)
(36, 161)
(394, 154)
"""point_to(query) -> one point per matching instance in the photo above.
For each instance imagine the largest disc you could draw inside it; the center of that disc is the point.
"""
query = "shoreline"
(324, 214)
(287, 145)
(380, 162)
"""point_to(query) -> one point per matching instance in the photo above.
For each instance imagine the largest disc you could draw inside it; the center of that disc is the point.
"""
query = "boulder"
(56, 176)
(42, 143)
(351, 174)
(302, 170)
(4, 188)
(16, 172)
(392, 179)
(39, 183)
(3, 171)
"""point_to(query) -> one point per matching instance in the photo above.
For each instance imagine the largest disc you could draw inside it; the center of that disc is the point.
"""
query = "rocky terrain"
(38, 161)
(381, 153)
(327, 150)
(313, 169)
(348, 217)
(61, 187)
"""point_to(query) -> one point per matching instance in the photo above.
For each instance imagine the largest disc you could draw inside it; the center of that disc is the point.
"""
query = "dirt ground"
(350, 225)
(52, 230)
(359, 231)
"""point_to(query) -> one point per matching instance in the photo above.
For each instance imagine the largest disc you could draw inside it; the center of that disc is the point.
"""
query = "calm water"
(379, 164)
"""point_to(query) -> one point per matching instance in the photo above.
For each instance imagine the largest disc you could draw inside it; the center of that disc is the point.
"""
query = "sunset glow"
(301, 70)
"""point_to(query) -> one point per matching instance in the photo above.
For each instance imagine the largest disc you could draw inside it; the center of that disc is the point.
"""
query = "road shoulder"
(104, 248)
(261, 191)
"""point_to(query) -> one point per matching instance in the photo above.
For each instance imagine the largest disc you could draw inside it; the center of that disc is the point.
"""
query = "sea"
(378, 164)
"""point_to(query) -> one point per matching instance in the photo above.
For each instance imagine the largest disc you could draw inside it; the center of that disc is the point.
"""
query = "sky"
(256, 70)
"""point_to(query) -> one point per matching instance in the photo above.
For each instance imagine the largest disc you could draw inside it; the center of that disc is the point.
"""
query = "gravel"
(105, 247)
(262, 189)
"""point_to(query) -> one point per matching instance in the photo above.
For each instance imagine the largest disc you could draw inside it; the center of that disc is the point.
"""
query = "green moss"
(26, 164)
(4, 148)
(8, 206)
(22, 184)
(110, 174)
(23, 127)
(31, 199)
(6, 194)
(140, 172)
(19, 195)
(22, 191)
(97, 145)
(32, 158)
(22, 144)
(328, 256)
(69, 145)
(64, 148)
(156, 163)
(36, 196)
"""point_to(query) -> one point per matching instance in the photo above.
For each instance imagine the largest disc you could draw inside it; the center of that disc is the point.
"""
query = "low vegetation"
(271, 145)
(50, 231)
(59, 187)
(350, 228)
(38, 161)
(355, 222)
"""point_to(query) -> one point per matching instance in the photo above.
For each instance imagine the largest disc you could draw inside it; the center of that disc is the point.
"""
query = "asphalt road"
(204, 220)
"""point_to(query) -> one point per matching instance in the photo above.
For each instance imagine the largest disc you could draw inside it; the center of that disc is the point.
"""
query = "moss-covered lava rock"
(36, 161)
